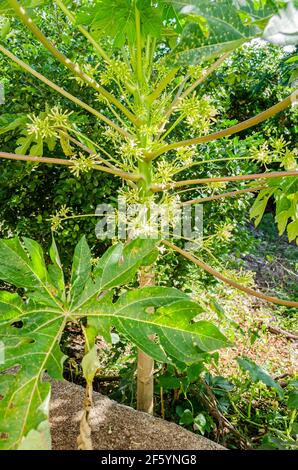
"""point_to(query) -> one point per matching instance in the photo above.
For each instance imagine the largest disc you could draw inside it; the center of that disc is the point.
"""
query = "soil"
(278, 354)
(114, 426)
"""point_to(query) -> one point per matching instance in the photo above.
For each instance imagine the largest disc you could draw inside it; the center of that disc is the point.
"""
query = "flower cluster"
(130, 148)
(57, 218)
(243, 277)
(41, 126)
(186, 154)
(276, 150)
(148, 131)
(262, 154)
(47, 123)
(224, 232)
(88, 70)
(82, 164)
(117, 71)
(289, 159)
(172, 203)
(196, 71)
(199, 112)
(216, 185)
(113, 136)
(164, 171)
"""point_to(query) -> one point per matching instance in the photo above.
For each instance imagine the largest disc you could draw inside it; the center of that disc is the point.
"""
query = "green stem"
(96, 145)
(292, 420)
(151, 57)
(63, 92)
(147, 55)
(74, 68)
(162, 85)
(84, 31)
(230, 282)
(204, 76)
(223, 195)
(61, 161)
(226, 159)
(178, 184)
(87, 149)
(277, 108)
(175, 124)
(139, 68)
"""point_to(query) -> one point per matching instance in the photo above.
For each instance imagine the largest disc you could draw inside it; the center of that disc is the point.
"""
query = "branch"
(90, 151)
(279, 331)
(74, 68)
(195, 84)
(177, 184)
(63, 92)
(139, 67)
(277, 108)
(212, 160)
(230, 282)
(60, 161)
(162, 85)
(219, 196)
(173, 104)
(205, 75)
(84, 31)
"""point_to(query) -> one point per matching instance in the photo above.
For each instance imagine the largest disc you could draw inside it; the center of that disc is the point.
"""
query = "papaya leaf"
(24, 144)
(31, 326)
(258, 208)
(37, 149)
(7, 9)
(10, 122)
(292, 231)
(214, 28)
(31, 334)
(116, 267)
(81, 268)
(177, 336)
(116, 19)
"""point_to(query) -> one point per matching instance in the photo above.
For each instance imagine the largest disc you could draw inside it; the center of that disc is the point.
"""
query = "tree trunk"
(145, 362)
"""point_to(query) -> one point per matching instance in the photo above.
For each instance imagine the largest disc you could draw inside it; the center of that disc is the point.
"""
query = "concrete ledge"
(115, 426)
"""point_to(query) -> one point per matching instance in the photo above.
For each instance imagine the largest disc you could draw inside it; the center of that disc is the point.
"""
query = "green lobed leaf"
(258, 208)
(177, 335)
(214, 28)
(10, 122)
(30, 334)
(7, 9)
(117, 266)
(116, 19)
(31, 326)
(81, 269)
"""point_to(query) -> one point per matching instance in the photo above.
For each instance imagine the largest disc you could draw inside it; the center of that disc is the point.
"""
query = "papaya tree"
(152, 57)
